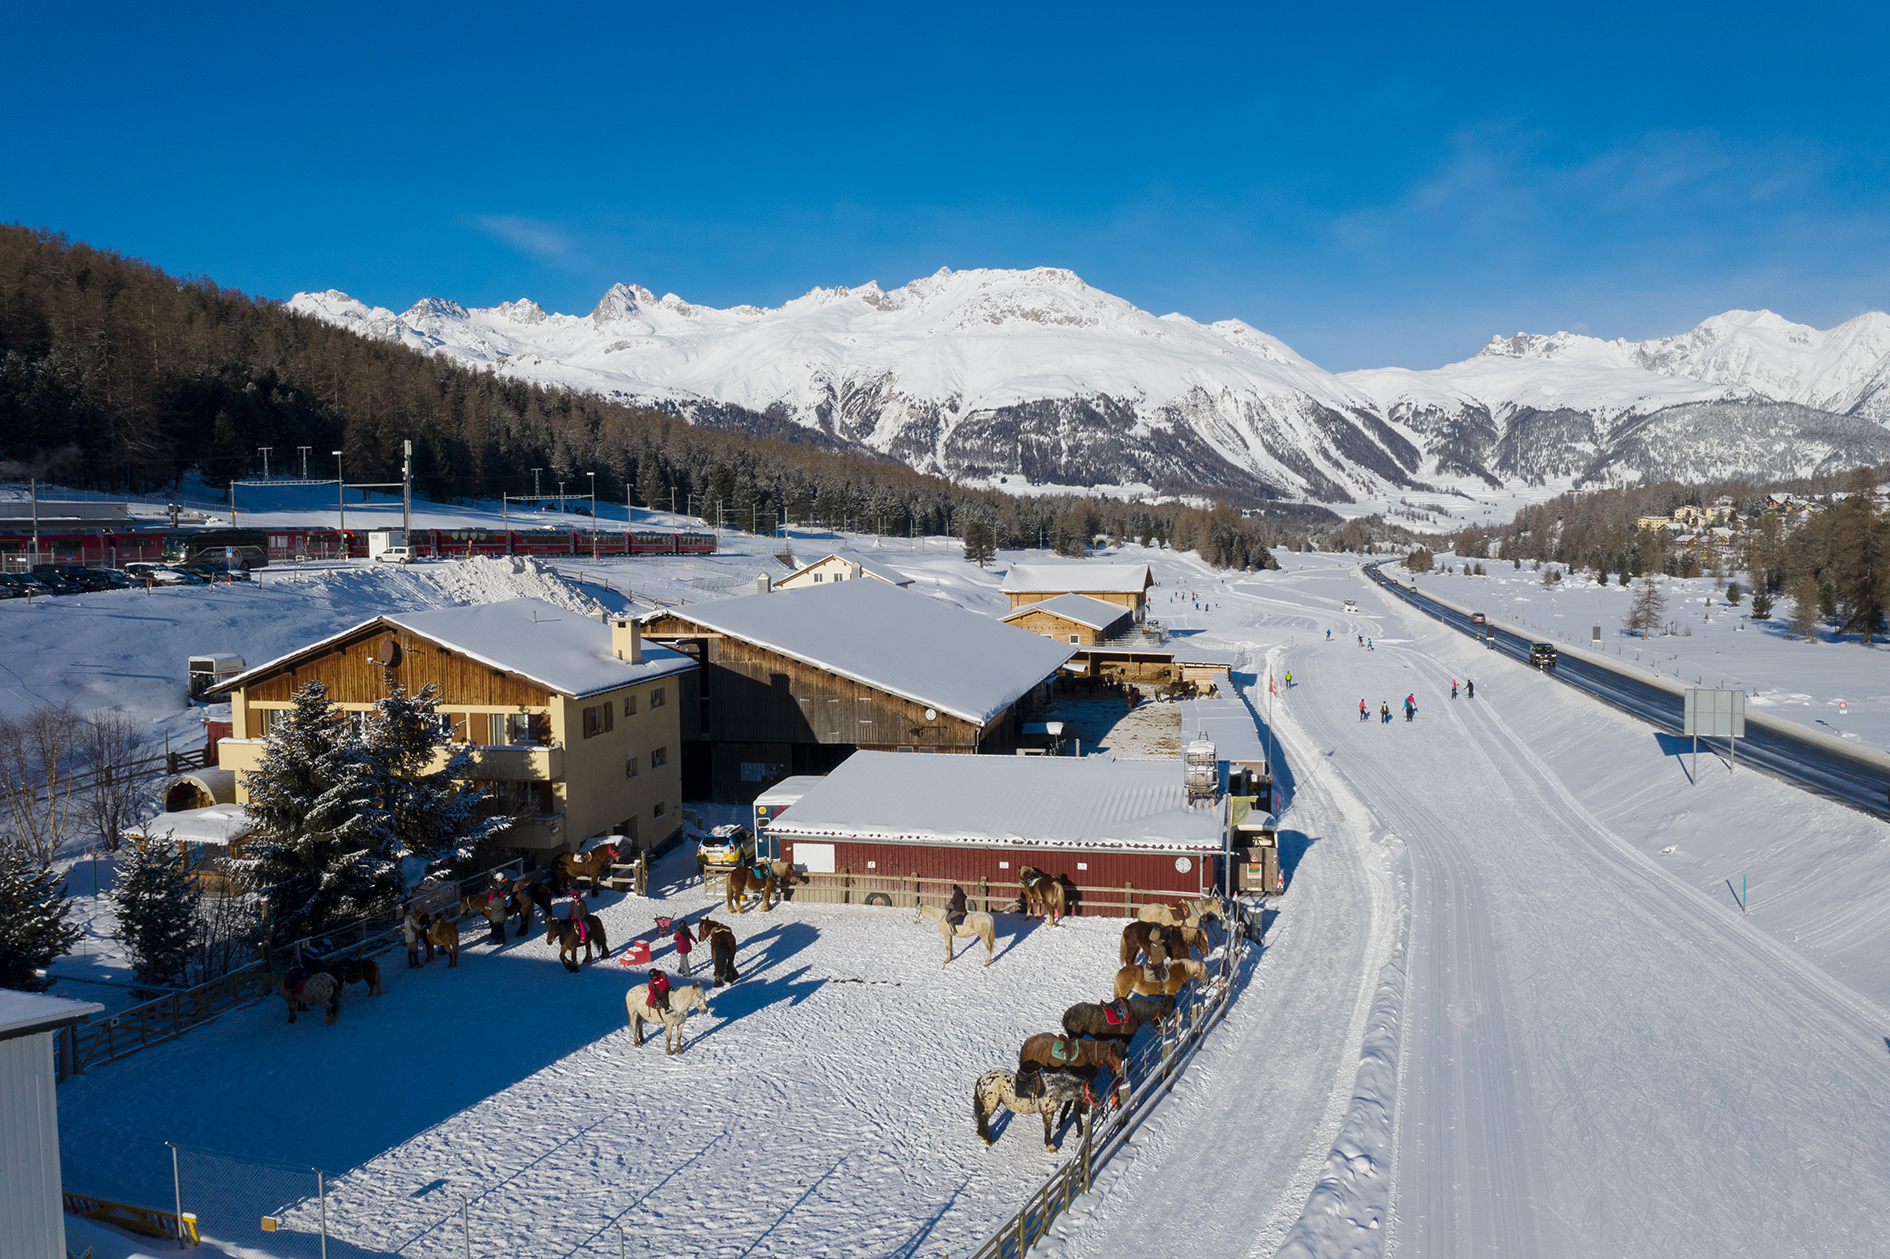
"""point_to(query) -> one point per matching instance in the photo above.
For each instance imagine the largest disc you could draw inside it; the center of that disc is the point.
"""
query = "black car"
(25, 584)
(84, 578)
(56, 582)
(1542, 655)
(12, 587)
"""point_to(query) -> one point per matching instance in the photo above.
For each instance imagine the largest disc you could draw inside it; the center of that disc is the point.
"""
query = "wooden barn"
(1074, 619)
(839, 567)
(1123, 584)
(792, 682)
(892, 830)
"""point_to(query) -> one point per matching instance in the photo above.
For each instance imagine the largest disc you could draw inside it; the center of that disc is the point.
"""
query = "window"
(513, 728)
(657, 699)
(659, 810)
(630, 766)
(659, 758)
(819, 577)
(630, 704)
(598, 720)
(261, 720)
(1076, 638)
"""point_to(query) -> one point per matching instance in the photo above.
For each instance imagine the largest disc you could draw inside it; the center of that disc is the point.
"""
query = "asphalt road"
(1855, 783)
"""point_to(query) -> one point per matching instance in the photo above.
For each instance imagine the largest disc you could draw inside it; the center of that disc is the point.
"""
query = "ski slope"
(1596, 1057)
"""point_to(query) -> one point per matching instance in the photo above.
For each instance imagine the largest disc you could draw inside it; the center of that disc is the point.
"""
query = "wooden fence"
(909, 891)
(81, 1046)
(1152, 1073)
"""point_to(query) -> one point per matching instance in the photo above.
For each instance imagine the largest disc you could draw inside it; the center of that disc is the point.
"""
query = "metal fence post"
(465, 1225)
(177, 1193)
(321, 1195)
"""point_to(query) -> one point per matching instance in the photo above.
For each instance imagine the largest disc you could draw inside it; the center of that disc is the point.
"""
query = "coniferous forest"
(116, 376)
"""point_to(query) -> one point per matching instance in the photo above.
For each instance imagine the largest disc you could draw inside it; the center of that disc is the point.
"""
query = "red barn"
(886, 827)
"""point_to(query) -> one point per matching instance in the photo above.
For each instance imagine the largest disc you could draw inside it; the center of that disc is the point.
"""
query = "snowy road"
(1596, 1058)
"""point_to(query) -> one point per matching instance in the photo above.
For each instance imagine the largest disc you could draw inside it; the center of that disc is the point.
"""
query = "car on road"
(723, 848)
(1542, 655)
(1477, 618)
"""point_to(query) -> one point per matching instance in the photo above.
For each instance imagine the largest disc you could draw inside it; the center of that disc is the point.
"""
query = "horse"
(1043, 894)
(763, 877)
(445, 936)
(682, 999)
(721, 942)
(1176, 975)
(1144, 937)
(1044, 1093)
(1051, 1052)
(490, 906)
(569, 936)
(525, 899)
(301, 987)
(1186, 913)
(357, 970)
(975, 926)
(1087, 1018)
(592, 865)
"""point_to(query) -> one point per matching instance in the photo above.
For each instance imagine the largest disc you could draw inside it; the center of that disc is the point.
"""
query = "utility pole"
(33, 493)
(341, 499)
(406, 493)
(535, 472)
(561, 498)
(304, 450)
(265, 454)
(593, 477)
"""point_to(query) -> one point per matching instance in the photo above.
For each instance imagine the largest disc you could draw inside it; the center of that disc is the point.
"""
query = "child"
(684, 943)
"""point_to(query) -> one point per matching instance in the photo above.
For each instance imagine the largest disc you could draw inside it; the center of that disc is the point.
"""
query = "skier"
(1289, 677)
(1410, 706)
(1384, 712)
(1453, 688)
(1470, 687)
(1368, 645)
(1363, 713)
(1361, 640)
(1328, 635)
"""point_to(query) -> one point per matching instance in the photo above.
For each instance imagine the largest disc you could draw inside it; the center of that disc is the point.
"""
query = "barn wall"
(32, 1213)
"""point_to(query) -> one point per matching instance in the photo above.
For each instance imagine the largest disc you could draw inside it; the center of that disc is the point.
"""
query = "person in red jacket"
(659, 991)
(684, 943)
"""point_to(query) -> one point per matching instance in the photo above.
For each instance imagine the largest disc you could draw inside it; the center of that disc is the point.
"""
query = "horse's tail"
(603, 941)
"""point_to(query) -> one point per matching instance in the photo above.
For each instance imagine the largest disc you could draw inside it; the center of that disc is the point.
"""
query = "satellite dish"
(931, 714)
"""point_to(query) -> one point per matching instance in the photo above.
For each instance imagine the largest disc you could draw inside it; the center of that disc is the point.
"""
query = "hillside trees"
(157, 912)
(1861, 559)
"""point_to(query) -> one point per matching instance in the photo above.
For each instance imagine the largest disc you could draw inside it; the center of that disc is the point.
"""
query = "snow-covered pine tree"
(33, 928)
(321, 853)
(157, 913)
(433, 815)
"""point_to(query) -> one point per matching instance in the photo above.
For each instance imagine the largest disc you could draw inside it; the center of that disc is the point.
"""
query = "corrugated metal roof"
(1079, 609)
(1228, 725)
(1089, 802)
(901, 641)
(1122, 579)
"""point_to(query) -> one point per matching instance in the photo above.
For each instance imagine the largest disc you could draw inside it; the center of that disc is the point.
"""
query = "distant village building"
(572, 723)
(793, 682)
(839, 567)
(1123, 584)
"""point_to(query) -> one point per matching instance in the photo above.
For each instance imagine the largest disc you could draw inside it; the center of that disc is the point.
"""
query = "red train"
(115, 547)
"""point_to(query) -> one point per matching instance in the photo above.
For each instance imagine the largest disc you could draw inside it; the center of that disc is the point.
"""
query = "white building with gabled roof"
(841, 567)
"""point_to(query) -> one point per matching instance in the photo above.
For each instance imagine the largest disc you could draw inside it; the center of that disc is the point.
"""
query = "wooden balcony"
(514, 763)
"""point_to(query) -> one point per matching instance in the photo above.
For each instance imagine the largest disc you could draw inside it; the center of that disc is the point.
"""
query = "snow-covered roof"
(1078, 609)
(870, 567)
(555, 647)
(23, 1013)
(1031, 579)
(1225, 657)
(217, 824)
(1228, 725)
(906, 644)
(1085, 803)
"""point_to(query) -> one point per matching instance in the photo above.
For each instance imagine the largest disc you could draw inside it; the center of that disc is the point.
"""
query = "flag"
(1271, 689)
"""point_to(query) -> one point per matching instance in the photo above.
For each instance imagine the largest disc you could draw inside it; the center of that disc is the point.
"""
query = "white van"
(1351, 605)
(395, 555)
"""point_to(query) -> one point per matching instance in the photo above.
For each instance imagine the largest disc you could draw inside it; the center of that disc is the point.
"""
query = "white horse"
(1050, 1092)
(319, 989)
(974, 927)
(682, 999)
(1187, 914)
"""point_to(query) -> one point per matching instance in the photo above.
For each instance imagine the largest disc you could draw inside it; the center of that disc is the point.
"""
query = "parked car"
(1542, 655)
(214, 573)
(56, 582)
(84, 578)
(395, 555)
(722, 848)
(143, 570)
(118, 577)
(12, 588)
(27, 584)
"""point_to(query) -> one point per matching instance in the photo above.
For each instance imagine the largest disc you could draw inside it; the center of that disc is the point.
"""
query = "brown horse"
(1087, 1018)
(570, 939)
(301, 988)
(1051, 1052)
(592, 865)
(444, 936)
(1043, 893)
(1144, 937)
(764, 877)
(721, 942)
(358, 970)
(1175, 975)
(531, 894)
(491, 906)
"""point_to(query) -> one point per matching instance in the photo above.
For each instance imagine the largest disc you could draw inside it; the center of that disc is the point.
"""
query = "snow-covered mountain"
(1034, 374)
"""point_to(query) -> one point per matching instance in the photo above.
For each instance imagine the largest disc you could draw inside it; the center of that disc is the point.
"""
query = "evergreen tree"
(1805, 610)
(321, 853)
(157, 913)
(1650, 606)
(1861, 575)
(1761, 602)
(428, 813)
(651, 487)
(33, 928)
(980, 543)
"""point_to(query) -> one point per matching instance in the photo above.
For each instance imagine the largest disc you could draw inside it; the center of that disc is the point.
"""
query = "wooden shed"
(1123, 584)
(1074, 619)
(889, 829)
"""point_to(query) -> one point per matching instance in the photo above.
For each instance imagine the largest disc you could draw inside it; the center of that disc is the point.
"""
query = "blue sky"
(1391, 185)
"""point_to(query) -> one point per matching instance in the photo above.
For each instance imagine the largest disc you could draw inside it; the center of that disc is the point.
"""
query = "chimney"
(626, 640)
(763, 585)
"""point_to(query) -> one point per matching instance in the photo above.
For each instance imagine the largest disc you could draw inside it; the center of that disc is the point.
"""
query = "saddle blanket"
(1116, 1014)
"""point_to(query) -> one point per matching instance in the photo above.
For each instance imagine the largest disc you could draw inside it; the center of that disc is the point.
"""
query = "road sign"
(1714, 714)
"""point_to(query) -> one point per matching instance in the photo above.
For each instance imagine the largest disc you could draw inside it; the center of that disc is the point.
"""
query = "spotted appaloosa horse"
(1045, 1093)
(301, 988)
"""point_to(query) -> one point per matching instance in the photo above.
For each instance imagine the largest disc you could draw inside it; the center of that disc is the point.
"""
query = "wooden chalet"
(838, 567)
(1123, 584)
(572, 723)
(794, 681)
(1075, 619)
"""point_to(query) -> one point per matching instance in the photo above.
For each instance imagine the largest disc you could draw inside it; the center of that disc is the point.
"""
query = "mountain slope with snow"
(1034, 374)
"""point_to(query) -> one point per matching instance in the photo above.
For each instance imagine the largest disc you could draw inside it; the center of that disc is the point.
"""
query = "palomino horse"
(682, 999)
(1043, 894)
(1119, 1020)
(721, 942)
(1176, 976)
(302, 988)
(1051, 1052)
(974, 927)
(1044, 1093)
(763, 877)
(1186, 913)
(592, 865)
(444, 936)
(570, 936)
